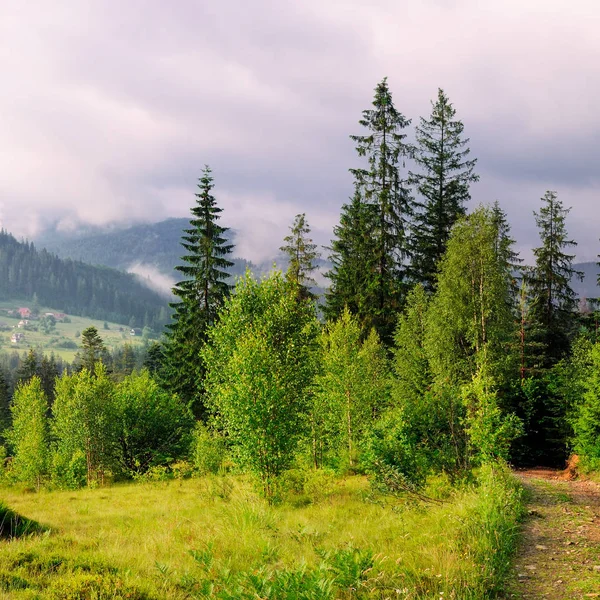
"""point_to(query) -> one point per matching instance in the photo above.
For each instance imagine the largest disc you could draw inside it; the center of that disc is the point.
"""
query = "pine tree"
(302, 254)
(388, 204)
(553, 300)
(201, 294)
(443, 183)
(93, 350)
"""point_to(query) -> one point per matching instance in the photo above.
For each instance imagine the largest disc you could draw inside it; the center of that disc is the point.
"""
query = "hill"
(75, 287)
(155, 245)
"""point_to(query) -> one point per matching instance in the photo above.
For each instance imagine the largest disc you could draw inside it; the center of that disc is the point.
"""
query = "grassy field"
(115, 336)
(214, 537)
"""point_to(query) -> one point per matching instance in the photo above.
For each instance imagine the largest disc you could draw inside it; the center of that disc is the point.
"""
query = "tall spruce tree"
(302, 254)
(443, 184)
(388, 207)
(553, 300)
(201, 294)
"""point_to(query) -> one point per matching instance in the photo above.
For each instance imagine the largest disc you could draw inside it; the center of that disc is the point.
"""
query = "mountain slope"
(156, 245)
(75, 287)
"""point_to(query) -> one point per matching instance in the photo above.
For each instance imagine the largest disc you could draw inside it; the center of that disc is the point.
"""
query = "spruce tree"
(443, 184)
(201, 294)
(553, 300)
(302, 254)
(353, 260)
(388, 204)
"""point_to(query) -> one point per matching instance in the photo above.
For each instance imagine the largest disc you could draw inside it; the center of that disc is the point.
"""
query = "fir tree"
(553, 300)
(201, 294)
(301, 253)
(443, 184)
(388, 208)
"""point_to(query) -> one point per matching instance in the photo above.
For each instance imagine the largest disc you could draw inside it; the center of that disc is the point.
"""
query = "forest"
(436, 361)
(75, 287)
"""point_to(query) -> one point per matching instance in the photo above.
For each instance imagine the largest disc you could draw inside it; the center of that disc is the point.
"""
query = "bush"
(208, 450)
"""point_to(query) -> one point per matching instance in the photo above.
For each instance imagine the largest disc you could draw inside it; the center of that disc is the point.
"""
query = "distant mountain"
(588, 288)
(75, 287)
(154, 245)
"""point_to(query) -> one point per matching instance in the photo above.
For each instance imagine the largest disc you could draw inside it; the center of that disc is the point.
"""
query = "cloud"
(111, 109)
(153, 278)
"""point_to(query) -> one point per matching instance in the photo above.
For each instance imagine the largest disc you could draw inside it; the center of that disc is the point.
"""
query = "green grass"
(214, 537)
(114, 337)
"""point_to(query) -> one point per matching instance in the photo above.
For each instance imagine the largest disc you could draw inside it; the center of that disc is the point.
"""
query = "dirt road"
(559, 557)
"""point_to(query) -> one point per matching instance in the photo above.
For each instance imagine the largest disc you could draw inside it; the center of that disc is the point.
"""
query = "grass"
(214, 537)
(116, 336)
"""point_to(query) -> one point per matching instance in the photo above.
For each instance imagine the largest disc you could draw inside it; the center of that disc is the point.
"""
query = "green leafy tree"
(490, 430)
(200, 296)
(381, 185)
(259, 366)
(302, 254)
(351, 390)
(5, 400)
(471, 309)
(153, 426)
(29, 434)
(411, 363)
(443, 183)
(554, 302)
(84, 427)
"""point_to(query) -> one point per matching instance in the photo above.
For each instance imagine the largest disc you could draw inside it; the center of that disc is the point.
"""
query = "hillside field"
(215, 537)
(115, 336)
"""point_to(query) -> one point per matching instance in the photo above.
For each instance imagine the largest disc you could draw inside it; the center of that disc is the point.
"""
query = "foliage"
(199, 296)
(152, 426)
(84, 427)
(350, 392)
(443, 182)
(301, 254)
(259, 366)
(208, 450)
(29, 434)
(490, 431)
(471, 307)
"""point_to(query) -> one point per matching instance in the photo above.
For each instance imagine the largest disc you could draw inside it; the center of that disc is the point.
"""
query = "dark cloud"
(110, 109)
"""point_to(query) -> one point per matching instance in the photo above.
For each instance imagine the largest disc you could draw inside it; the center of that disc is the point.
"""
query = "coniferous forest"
(392, 408)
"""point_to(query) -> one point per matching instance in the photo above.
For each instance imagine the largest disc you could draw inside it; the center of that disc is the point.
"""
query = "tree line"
(440, 349)
(75, 287)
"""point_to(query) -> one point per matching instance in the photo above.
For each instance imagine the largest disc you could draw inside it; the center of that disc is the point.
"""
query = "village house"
(23, 323)
(17, 337)
(24, 312)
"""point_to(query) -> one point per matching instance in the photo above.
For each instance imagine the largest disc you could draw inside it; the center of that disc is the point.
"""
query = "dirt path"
(559, 557)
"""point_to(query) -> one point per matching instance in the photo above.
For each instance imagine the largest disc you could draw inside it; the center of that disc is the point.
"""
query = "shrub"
(208, 450)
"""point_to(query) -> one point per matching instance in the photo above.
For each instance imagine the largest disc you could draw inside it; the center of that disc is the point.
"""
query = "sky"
(110, 109)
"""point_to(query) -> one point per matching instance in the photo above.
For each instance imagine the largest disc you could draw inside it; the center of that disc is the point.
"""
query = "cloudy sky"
(109, 109)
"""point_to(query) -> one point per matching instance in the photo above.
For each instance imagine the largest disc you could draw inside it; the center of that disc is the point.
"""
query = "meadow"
(215, 536)
(115, 336)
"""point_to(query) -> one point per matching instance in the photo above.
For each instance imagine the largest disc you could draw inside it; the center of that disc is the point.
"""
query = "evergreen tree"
(29, 367)
(553, 300)
(301, 253)
(4, 403)
(201, 294)
(353, 260)
(93, 350)
(443, 183)
(381, 187)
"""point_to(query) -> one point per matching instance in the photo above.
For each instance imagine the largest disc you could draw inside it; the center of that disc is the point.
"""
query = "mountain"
(75, 287)
(588, 288)
(154, 245)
